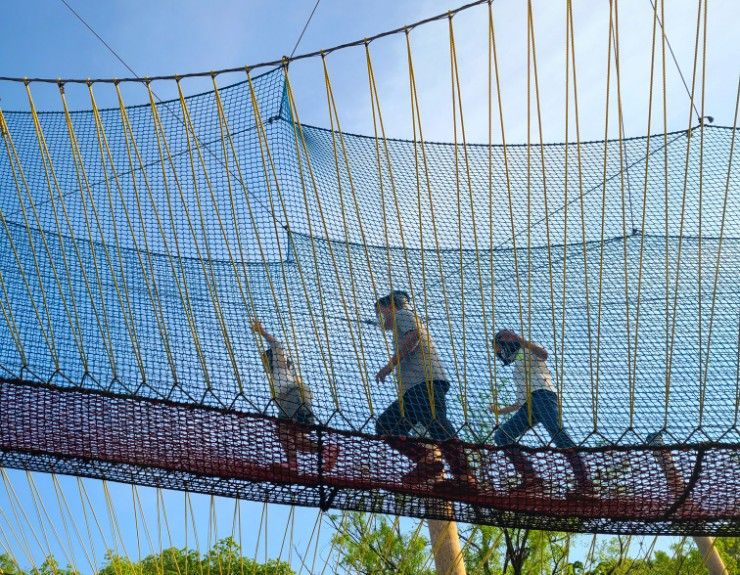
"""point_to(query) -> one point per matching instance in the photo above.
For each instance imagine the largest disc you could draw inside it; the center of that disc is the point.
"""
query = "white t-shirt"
(284, 378)
(530, 374)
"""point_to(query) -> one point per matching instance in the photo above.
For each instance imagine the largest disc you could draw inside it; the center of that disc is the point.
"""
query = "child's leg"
(287, 438)
(395, 428)
(507, 434)
(546, 409)
(440, 428)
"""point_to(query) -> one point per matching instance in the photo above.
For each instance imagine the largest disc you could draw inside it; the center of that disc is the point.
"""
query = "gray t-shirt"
(423, 363)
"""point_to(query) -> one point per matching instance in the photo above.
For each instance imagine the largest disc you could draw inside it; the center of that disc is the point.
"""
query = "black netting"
(127, 288)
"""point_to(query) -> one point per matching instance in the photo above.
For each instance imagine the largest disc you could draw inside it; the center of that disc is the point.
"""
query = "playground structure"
(138, 240)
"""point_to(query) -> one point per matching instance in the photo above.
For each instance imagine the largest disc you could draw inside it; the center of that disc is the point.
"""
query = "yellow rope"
(150, 280)
(625, 229)
(360, 355)
(303, 157)
(210, 279)
(476, 247)
(671, 341)
(566, 163)
(270, 168)
(70, 308)
(421, 150)
(595, 389)
(644, 208)
(584, 250)
(21, 184)
(226, 135)
(545, 203)
(84, 188)
(122, 291)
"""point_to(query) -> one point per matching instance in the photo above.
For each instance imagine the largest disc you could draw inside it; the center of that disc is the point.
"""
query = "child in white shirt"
(293, 400)
(537, 402)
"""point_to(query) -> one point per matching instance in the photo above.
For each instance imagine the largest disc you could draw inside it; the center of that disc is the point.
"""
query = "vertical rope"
(84, 188)
(269, 167)
(20, 182)
(147, 269)
(595, 391)
(70, 307)
(476, 248)
(641, 257)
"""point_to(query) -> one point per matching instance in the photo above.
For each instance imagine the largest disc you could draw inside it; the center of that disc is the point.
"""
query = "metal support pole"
(711, 557)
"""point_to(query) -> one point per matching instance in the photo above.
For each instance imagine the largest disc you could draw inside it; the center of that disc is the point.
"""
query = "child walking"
(535, 394)
(293, 400)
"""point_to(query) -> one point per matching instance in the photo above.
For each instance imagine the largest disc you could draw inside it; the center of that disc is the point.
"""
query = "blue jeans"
(544, 411)
(417, 409)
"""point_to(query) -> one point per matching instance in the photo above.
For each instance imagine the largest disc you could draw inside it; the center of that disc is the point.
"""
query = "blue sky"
(42, 38)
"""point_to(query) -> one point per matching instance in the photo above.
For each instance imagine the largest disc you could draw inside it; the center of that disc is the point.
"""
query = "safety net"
(138, 242)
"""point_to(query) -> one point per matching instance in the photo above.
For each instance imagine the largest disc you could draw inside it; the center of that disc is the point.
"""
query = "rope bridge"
(138, 241)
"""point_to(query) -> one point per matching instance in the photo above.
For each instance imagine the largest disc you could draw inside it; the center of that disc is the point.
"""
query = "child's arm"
(258, 328)
(505, 409)
(409, 342)
(536, 349)
(279, 353)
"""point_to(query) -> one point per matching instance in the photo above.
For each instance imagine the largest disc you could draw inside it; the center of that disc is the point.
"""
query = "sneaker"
(329, 457)
(423, 472)
(456, 487)
(529, 486)
(283, 469)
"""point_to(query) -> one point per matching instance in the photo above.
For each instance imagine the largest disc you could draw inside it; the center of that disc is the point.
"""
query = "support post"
(709, 554)
(448, 559)
(711, 557)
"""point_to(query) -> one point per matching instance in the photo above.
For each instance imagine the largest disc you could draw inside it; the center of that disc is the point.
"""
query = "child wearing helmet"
(537, 402)
(293, 400)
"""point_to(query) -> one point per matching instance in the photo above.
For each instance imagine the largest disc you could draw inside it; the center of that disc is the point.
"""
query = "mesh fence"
(138, 242)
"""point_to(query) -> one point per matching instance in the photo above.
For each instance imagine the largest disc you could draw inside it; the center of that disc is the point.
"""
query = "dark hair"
(508, 348)
(267, 355)
(399, 298)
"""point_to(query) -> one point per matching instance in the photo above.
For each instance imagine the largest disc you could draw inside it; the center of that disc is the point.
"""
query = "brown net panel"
(185, 447)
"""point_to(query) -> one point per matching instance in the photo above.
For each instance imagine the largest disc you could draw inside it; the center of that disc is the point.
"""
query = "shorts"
(292, 407)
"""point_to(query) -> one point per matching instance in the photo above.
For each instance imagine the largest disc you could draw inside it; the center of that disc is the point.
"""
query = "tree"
(224, 558)
(370, 545)
(8, 566)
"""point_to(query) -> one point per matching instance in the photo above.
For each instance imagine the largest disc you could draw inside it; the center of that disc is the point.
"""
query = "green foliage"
(8, 566)
(370, 545)
(224, 558)
(377, 545)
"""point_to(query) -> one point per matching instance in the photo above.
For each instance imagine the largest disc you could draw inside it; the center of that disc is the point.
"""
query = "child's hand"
(383, 373)
(257, 326)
